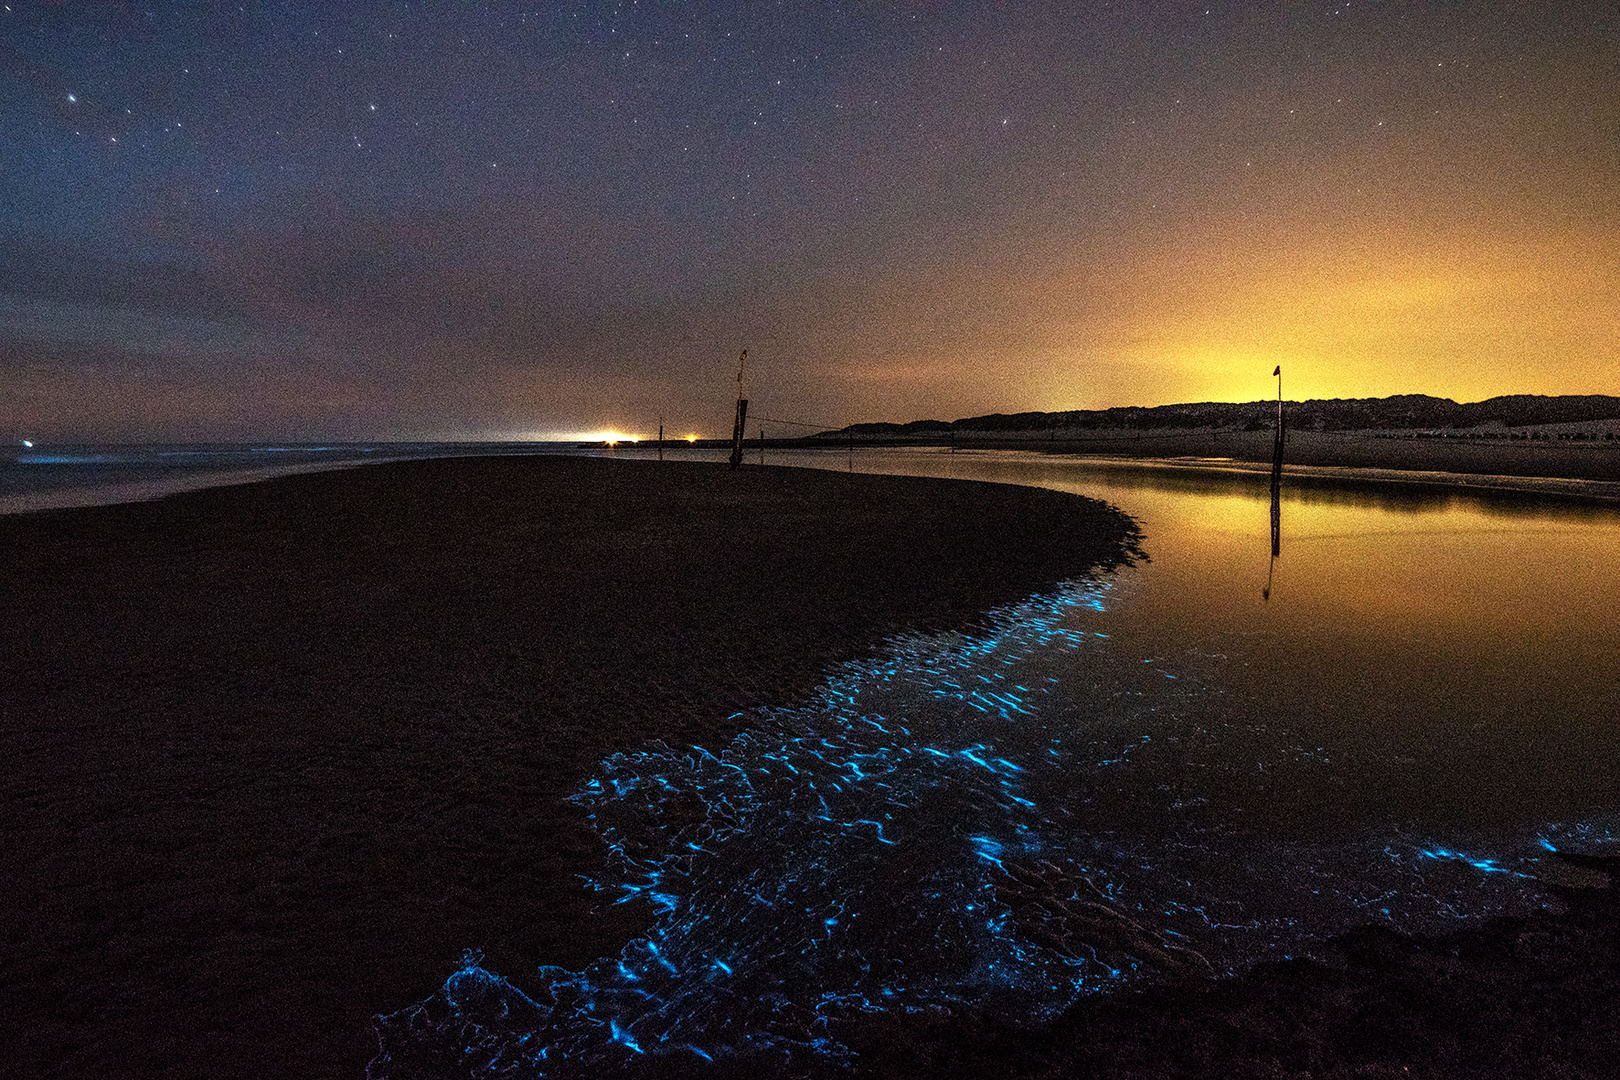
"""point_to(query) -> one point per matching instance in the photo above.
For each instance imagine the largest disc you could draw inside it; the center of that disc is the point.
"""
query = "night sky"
(461, 220)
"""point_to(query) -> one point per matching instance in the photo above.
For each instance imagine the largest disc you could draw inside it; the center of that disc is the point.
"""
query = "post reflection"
(1276, 488)
(1276, 532)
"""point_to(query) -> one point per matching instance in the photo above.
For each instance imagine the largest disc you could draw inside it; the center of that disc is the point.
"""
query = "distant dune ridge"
(1403, 412)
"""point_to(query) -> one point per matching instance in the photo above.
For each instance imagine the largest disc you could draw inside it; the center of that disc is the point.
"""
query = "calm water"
(1473, 634)
(1391, 721)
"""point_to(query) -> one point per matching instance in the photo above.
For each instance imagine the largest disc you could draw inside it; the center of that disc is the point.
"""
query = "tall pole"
(1277, 446)
(1276, 488)
(741, 418)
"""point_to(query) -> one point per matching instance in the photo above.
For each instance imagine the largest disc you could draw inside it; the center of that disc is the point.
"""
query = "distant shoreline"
(1577, 471)
(1585, 470)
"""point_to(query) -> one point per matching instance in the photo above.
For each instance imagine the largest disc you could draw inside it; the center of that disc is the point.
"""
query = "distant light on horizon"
(608, 435)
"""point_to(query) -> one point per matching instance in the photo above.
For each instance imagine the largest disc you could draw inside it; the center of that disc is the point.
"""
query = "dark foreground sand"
(1521, 998)
(275, 754)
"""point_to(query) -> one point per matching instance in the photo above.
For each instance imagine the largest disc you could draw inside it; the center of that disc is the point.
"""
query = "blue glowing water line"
(842, 857)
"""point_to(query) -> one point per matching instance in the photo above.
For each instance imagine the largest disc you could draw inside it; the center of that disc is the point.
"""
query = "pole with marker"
(1277, 446)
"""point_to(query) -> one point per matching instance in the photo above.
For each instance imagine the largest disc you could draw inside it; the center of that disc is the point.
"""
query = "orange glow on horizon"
(1468, 312)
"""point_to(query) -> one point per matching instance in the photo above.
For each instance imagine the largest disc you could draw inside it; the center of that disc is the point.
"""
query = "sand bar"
(278, 752)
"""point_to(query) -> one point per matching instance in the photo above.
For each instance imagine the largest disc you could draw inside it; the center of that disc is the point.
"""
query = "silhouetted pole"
(1276, 542)
(1276, 521)
(1276, 489)
(1277, 447)
(762, 446)
(660, 438)
(741, 419)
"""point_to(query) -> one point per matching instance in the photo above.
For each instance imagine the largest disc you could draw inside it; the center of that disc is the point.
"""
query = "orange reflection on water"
(1468, 638)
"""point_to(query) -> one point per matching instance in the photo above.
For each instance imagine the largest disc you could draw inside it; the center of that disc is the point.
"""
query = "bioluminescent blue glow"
(1005, 820)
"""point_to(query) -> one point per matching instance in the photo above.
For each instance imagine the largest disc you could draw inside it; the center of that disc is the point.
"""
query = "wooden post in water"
(1276, 542)
(1276, 521)
(740, 421)
(660, 438)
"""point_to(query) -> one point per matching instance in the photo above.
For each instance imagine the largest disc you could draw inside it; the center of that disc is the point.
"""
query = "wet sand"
(277, 753)
(1521, 998)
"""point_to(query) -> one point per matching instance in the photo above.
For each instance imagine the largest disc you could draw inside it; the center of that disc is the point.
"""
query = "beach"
(279, 752)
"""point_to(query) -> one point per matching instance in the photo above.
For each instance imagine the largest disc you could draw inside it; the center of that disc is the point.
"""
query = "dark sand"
(276, 753)
(1522, 998)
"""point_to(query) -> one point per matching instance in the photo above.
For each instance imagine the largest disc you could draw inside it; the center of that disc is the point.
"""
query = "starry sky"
(489, 220)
